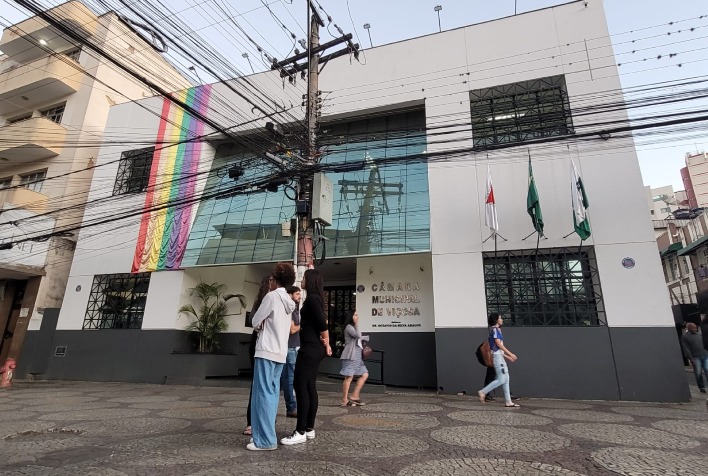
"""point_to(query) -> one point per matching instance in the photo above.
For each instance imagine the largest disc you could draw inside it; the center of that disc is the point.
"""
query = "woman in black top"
(314, 345)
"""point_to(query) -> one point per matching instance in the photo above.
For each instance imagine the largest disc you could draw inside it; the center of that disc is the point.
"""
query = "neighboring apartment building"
(55, 96)
(684, 254)
(695, 179)
(407, 245)
(662, 201)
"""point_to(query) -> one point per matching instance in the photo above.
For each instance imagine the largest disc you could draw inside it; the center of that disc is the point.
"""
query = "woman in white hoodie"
(273, 323)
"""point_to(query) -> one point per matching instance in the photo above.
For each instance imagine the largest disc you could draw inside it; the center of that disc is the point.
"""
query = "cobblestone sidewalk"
(114, 429)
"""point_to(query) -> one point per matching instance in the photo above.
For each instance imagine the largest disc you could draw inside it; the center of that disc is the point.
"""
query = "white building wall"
(447, 66)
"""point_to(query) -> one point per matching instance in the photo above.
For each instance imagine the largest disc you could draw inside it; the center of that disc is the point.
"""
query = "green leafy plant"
(210, 317)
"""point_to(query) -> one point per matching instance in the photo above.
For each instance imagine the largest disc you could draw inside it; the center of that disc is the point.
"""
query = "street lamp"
(194, 70)
(437, 9)
(245, 55)
(367, 27)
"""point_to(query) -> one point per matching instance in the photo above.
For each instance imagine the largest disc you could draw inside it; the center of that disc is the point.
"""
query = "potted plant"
(210, 317)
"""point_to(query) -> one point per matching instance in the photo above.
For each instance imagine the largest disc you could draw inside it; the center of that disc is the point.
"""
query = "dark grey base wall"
(595, 363)
(147, 356)
(408, 359)
(131, 356)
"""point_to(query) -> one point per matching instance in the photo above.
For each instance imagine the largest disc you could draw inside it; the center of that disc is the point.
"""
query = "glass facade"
(381, 209)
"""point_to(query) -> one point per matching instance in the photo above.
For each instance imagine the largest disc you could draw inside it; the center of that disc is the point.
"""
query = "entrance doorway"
(340, 301)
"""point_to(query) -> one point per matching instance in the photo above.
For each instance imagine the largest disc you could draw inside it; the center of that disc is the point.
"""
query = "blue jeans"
(286, 380)
(502, 379)
(264, 402)
(700, 367)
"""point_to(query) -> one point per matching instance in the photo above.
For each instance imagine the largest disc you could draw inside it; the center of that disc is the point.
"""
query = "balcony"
(20, 41)
(30, 85)
(33, 139)
(23, 198)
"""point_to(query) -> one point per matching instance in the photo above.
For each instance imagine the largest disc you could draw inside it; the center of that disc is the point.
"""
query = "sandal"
(348, 404)
(513, 405)
(248, 431)
(481, 396)
(358, 403)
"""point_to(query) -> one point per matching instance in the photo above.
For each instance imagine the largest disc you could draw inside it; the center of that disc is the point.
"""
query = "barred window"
(117, 301)
(17, 119)
(54, 113)
(553, 287)
(33, 180)
(520, 112)
(133, 171)
(73, 54)
(5, 182)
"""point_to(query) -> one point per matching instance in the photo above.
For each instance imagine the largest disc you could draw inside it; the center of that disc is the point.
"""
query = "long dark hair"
(349, 319)
(263, 289)
(314, 284)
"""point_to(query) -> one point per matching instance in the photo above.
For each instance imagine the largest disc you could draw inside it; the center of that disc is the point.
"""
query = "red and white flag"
(490, 206)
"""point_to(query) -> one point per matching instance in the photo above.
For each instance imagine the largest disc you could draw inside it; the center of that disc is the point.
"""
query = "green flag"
(533, 205)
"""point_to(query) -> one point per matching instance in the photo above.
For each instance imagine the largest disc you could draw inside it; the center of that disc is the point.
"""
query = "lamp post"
(245, 55)
(367, 27)
(437, 9)
(194, 70)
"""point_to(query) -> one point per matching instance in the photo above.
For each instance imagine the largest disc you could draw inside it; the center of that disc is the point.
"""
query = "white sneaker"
(253, 447)
(310, 435)
(294, 439)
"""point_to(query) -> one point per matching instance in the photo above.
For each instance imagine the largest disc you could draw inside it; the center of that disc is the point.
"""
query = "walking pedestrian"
(499, 353)
(693, 342)
(353, 361)
(286, 379)
(267, 285)
(314, 345)
(273, 323)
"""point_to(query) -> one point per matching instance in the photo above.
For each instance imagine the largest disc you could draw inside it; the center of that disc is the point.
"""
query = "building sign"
(400, 300)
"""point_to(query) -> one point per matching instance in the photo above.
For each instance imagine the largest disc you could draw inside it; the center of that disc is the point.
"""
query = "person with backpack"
(499, 353)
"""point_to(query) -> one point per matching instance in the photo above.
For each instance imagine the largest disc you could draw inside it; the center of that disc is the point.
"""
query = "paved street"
(115, 429)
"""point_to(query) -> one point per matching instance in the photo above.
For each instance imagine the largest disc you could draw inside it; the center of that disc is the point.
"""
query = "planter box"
(195, 368)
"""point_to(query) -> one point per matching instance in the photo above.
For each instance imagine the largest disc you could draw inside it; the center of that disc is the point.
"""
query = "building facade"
(407, 246)
(55, 95)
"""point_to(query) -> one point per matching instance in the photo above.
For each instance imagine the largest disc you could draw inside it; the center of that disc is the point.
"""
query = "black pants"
(489, 377)
(305, 386)
(252, 358)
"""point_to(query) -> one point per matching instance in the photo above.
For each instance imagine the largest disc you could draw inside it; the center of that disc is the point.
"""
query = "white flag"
(580, 204)
(490, 206)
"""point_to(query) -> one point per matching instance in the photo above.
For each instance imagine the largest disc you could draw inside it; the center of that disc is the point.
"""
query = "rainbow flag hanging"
(163, 233)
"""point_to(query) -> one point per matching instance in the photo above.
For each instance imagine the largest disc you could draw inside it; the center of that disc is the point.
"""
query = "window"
(54, 113)
(73, 54)
(33, 180)
(520, 112)
(5, 182)
(672, 268)
(117, 301)
(554, 287)
(133, 171)
(382, 209)
(24, 117)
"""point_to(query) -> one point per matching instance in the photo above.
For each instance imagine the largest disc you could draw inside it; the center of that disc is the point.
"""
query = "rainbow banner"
(173, 176)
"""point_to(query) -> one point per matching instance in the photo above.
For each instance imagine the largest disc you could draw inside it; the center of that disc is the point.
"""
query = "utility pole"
(304, 256)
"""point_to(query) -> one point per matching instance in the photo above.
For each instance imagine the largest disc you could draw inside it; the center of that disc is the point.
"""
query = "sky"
(395, 20)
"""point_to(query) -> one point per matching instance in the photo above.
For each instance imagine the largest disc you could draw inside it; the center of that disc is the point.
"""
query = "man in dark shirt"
(693, 341)
(287, 377)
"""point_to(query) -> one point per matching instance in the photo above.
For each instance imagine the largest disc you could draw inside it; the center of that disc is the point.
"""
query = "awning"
(693, 246)
(673, 248)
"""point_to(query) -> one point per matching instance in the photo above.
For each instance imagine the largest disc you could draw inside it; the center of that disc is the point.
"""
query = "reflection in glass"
(382, 207)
